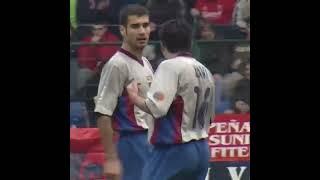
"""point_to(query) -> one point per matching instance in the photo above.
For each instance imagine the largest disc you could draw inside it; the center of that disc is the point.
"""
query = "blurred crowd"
(220, 28)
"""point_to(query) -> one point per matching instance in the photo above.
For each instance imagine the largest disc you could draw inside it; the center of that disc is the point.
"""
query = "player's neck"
(171, 55)
(136, 52)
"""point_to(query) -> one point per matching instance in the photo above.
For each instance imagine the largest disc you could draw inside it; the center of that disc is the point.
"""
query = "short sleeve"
(110, 88)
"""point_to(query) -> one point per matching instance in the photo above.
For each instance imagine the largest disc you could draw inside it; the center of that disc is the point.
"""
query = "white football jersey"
(112, 98)
(181, 100)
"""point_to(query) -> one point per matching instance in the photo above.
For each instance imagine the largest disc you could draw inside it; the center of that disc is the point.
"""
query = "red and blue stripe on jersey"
(167, 129)
(123, 116)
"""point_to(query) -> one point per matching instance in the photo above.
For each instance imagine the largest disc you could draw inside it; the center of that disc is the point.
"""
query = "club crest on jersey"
(159, 96)
(149, 80)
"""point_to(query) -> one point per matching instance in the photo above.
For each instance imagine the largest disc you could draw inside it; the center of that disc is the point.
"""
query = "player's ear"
(122, 30)
(162, 47)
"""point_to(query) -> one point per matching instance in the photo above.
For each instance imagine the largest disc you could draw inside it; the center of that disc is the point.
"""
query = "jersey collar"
(129, 54)
(186, 54)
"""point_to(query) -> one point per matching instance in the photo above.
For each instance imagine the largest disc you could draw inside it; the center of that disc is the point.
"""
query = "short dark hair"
(176, 35)
(131, 9)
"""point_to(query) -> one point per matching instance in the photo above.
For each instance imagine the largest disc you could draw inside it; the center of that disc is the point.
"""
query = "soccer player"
(115, 111)
(181, 100)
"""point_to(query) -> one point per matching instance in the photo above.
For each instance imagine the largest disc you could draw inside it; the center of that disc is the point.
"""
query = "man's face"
(242, 107)
(235, 64)
(136, 33)
(207, 34)
(99, 30)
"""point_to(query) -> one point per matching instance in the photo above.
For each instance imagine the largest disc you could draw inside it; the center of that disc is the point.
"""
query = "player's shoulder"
(117, 60)
(183, 64)
(198, 63)
(168, 63)
(172, 61)
(178, 63)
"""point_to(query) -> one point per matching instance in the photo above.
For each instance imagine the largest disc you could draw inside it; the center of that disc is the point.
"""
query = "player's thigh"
(133, 152)
(142, 146)
(190, 175)
(134, 147)
(204, 156)
(199, 173)
(169, 173)
(184, 175)
(165, 163)
(132, 164)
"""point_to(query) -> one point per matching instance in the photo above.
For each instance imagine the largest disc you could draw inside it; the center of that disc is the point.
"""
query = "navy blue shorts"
(187, 161)
(133, 150)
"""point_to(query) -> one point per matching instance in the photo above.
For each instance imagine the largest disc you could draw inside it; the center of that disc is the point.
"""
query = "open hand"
(112, 169)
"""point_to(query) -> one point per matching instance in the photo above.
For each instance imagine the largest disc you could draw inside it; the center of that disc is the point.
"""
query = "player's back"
(189, 115)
